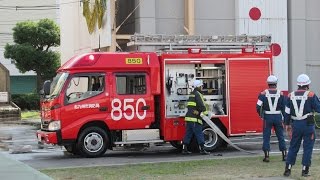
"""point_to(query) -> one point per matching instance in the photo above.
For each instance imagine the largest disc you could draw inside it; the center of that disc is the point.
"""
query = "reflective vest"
(299, 110)
(196, 105)
(272, 106)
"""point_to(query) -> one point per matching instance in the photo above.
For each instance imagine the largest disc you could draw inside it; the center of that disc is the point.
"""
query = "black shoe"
(305, 171)
(266, 156)
(185, 150)
(266, 159)
(287, 172)
(204, 152)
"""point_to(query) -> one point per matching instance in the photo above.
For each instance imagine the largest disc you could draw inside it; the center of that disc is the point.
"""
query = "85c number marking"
(116, 112)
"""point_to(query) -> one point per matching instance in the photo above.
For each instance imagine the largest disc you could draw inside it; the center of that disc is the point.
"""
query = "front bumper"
(47, 137)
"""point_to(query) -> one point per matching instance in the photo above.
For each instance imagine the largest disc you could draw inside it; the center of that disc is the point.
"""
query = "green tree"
(32, 48)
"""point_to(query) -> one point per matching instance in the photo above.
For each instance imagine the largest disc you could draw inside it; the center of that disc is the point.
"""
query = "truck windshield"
(57, 84)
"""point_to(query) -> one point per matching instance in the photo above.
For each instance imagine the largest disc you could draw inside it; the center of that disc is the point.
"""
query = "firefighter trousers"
(278, 127)
(193, 128)
(301, 130)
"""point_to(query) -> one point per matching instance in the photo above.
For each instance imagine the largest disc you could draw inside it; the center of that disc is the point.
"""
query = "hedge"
(29, 101)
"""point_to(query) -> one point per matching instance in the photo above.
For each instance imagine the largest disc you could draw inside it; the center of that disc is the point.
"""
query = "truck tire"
(176, 144)
(93, 142)
(72, 148)
(211, 138)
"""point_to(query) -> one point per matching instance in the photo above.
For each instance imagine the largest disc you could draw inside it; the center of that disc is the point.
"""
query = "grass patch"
(30, 115)
(233, 168)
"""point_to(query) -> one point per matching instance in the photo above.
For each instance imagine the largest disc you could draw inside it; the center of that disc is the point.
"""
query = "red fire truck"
(101, 100)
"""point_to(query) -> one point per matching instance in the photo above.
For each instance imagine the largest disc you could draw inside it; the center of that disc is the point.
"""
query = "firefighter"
(299, 123)
(196, 106)
(270, 107)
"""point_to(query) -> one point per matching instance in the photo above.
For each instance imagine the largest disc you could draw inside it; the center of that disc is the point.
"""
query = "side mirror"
(46, 87)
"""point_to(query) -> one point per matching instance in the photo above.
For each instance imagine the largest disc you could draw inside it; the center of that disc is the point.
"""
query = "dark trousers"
(193, 128)
(278, 127)
(301, 130)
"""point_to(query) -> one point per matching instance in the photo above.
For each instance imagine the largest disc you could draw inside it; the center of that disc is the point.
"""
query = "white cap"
(272, 79)
(303, 80)
(197, 83)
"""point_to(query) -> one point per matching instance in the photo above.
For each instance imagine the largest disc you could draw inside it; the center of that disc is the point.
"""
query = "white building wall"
(273, 21)
(214, 17)
(75, 38)
(312, 46)
(297, 40)
(169, 19)
(303, 33)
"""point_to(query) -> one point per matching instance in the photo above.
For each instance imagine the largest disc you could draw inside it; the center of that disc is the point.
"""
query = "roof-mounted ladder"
(206, 43)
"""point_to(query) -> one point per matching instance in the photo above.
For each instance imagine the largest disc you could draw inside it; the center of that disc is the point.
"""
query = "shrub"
(27, 101)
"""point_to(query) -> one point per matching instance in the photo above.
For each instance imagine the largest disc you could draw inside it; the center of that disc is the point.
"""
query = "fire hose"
(217, 130)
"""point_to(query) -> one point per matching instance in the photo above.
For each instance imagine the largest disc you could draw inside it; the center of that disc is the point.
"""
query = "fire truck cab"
(101, 100)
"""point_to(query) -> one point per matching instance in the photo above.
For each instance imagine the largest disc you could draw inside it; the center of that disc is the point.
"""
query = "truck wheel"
(176, 144)
(72, 149)
(212, 139)
(93, 142)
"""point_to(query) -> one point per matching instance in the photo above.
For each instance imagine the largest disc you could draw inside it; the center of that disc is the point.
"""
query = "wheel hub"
(93, 142)
(210, 137)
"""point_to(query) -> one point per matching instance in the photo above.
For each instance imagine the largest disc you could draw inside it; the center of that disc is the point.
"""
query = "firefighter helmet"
(197, 83)
(303, 80)
(272, 79)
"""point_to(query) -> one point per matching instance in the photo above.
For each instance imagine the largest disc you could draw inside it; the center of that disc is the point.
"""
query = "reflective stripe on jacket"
(301, 104)
(271, 104)
(196, 105)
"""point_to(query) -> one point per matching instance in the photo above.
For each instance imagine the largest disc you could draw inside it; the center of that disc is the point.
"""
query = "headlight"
(54, 125)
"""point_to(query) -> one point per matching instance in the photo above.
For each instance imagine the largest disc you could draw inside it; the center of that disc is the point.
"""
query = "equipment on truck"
(142, 96)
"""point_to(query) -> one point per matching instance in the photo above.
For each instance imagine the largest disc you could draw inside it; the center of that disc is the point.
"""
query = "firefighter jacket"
(271, 104)
(196, 105)
(301, 106)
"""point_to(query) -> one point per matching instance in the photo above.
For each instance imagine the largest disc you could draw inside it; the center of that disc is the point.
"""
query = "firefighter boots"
(305, 171)
(202, 151)
(284, 155)
(185, 149)
(287, 171)
(266, 156)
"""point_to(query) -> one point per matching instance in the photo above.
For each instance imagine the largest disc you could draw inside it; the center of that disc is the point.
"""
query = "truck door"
(247, 78)
(85, 98)
(131, 101)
